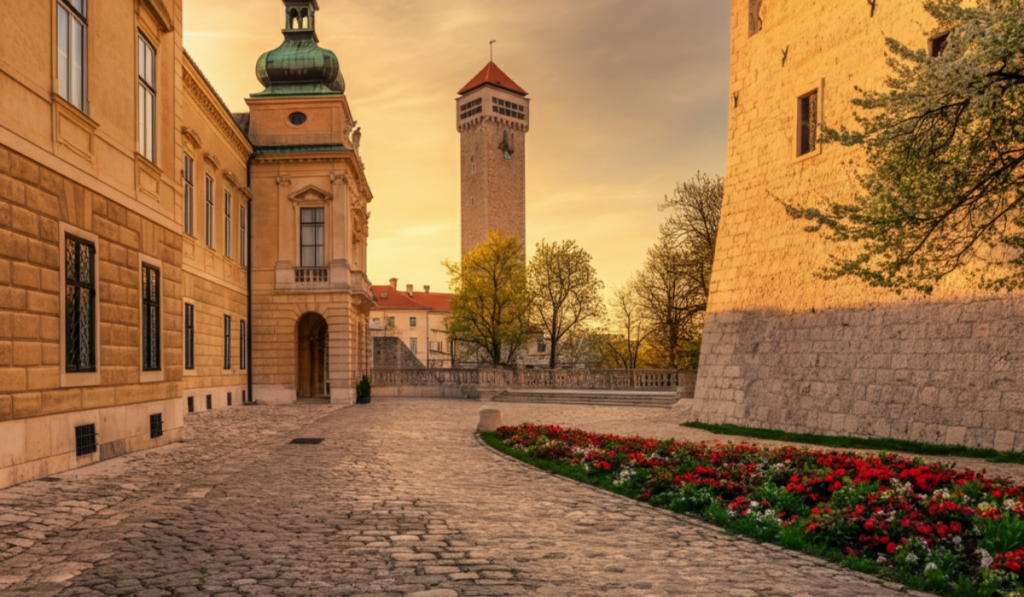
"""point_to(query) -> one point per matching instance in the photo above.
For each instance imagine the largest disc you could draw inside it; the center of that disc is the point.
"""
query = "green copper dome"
(299, 66)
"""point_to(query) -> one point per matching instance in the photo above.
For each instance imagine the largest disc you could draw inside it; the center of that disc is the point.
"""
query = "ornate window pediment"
(311, 193)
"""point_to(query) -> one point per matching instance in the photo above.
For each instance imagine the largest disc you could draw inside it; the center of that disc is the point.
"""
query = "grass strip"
(863, 443)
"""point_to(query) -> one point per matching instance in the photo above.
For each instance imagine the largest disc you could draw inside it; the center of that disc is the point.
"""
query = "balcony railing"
(312, 276)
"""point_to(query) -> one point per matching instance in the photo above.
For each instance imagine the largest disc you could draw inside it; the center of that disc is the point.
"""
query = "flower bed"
(931, 526)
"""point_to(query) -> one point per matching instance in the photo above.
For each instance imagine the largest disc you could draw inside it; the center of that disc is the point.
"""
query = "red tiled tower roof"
(492, 75)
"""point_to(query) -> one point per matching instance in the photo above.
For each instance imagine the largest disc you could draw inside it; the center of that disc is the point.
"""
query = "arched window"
(304, 20)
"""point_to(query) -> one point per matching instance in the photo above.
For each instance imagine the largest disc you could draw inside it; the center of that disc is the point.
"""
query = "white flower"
(754, 504)
(930, 566)
(986, 558)
(957, 540)
(881, 560)
(912, 558)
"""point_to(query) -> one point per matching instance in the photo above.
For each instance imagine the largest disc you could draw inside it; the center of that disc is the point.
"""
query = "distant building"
(493, 116)
(418, 319)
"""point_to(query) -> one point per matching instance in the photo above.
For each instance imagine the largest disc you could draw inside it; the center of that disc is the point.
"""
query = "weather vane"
(492, 49)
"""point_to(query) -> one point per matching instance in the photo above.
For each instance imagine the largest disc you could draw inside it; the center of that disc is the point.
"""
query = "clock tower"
(493, 117)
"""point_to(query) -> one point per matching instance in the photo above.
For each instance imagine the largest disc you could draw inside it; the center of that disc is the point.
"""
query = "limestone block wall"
(493, 188)
(39, 404)
(785, 349)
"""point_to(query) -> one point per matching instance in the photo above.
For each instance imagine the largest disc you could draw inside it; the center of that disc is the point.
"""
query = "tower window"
(807, 124)
(937, 45)
(71, 52)
(756, 16)
(311, 232)
(297, 118)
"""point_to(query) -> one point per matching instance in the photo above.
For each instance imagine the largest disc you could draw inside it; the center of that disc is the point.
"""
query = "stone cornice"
(213, 111)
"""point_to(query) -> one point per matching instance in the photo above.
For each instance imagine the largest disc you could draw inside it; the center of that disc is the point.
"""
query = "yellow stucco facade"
(130, 291)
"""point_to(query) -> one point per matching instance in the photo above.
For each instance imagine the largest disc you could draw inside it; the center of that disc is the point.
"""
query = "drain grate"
(307, 440)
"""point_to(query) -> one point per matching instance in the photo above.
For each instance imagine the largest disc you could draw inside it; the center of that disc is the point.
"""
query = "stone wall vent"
(156, 425)
(85, 439)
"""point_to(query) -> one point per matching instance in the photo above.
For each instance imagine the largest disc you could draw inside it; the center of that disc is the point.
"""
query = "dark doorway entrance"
(312, 374)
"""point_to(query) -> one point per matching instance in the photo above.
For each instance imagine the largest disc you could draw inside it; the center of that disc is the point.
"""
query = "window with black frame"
(190, 336)
(209, 211)
(72, 49)
(227, 224)
(150, 318)
(243, 242)
(227, 341)
(80, 305)
(241, 344)
(190, 193)
(312, 236)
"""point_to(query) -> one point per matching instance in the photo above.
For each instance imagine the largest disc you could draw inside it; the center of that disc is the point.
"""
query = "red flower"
(891, 548)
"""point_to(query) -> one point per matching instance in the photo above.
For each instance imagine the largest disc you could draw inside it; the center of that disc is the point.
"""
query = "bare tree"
(669, 297)
(490, 305)
(629, 329)
(565, 290)
(696, 207)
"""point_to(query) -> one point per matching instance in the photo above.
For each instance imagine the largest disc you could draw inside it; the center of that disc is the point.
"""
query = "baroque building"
(785, 349)
(131, 291)
(492, 116)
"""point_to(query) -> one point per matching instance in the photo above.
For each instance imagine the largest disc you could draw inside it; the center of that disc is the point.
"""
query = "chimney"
(408, 289)
(426, 289)
(394, 283)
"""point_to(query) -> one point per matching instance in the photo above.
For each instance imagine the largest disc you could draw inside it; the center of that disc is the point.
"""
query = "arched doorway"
(312, 341)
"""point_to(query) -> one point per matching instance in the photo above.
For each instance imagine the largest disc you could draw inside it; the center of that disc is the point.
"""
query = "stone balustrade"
(590, 379)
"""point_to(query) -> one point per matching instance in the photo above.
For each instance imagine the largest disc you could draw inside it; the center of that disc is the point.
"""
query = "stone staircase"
(639, 398)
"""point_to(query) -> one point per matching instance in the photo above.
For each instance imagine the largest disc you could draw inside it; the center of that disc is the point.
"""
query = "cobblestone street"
(401, 499)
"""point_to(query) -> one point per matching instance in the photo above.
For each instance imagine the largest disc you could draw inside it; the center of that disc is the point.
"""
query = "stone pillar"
(340, 325)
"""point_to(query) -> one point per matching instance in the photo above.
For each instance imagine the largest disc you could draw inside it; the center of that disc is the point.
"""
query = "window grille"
(80, 305)
(85, 439)
(190, 336)
(147, 99)
(72, 49)
(227, 224)
(156, 426)
(312, 236)
(227, 342)
(190, 193)
(150, 318)
(808, 131)
(209, 211)
(412, 322)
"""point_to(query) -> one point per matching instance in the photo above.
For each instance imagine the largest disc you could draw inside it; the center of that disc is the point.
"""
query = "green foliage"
(565, 290)
(781, 500)
(1000, 536)
(490, 306)
(363, 387)
(943, 186)
(861, 443)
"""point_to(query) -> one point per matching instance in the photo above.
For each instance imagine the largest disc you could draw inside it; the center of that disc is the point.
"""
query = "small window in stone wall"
(156, 425)
(756, 16)
(85, 439)
(937, 45)
(412, 322)
(807, 128)
(191, 404)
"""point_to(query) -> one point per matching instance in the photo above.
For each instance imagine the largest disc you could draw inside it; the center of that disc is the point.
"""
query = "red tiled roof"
(495, 76)
(419, 301)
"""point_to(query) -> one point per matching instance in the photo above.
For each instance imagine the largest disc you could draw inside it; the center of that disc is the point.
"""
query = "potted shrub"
(363, 391)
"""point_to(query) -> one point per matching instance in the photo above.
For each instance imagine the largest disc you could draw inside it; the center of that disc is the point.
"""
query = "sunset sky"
(628, 97)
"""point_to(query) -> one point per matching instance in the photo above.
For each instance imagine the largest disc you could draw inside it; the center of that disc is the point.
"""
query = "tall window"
(413, 344)
(243, 242)
(190, 336)
(71, 51)
(241, 344)
(227, 224)
(412, 322)
(227, 341)
(80, 304)
(209, 211)
(147, 99)
(312, 236)
(190, 193)
(808, 123)
(150, 318)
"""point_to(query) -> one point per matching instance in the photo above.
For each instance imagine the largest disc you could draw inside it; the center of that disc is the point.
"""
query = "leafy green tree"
(944, 143)
(565, 290)
(490, 306)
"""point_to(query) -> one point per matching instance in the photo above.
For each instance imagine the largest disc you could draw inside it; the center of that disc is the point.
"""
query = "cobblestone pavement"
(400, 500)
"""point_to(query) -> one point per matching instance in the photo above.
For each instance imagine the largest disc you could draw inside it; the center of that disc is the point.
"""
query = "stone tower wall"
(494, 194)
(784, 349)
